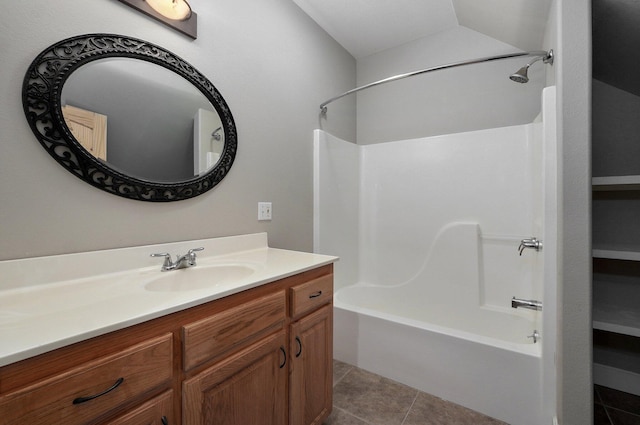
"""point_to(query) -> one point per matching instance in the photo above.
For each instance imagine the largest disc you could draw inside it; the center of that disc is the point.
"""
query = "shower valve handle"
(532, 243)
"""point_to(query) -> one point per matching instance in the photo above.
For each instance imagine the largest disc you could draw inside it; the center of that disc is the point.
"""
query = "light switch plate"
(264, 211)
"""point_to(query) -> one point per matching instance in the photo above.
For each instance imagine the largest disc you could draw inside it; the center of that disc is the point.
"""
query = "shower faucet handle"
(532, 243)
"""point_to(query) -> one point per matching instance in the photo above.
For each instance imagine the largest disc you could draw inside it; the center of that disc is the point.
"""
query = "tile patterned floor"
(613, 407)
(363, 398)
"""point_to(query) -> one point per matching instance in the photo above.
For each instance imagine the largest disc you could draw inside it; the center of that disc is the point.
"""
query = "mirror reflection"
(145, 121)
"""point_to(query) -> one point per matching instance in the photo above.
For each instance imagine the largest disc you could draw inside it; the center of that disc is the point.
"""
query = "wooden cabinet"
(283, 379)
(224, 332)
(249, 387)
(311, 368)
(262, 356)
(311, 348)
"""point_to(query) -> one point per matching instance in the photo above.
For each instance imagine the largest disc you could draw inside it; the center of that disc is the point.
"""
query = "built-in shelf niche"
(615, 361)
(616, 318)
(616, 292)
(615, 136)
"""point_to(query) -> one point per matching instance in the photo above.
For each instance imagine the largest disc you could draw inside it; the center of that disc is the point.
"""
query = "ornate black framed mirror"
(171, 135)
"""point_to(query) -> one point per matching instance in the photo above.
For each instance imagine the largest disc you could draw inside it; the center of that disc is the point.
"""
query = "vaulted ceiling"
(364, 27)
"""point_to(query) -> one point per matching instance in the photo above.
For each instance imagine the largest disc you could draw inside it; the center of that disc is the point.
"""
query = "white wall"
(474, 97)
(337, 192)
(573, 73)
(414, 188)
(272, 64)
(382, 207)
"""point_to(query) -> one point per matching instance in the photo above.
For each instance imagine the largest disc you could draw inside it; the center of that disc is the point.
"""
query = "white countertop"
(50, 302)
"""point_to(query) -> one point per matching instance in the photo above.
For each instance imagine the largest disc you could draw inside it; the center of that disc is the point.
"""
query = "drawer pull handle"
(91, 397)
(164, 420)
(299, 347)
(315, 294)
(284, 353)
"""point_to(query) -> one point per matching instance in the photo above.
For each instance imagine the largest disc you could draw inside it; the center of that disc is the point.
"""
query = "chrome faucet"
(535, 336)
(532, 243)
(530, 304)
(182, 261)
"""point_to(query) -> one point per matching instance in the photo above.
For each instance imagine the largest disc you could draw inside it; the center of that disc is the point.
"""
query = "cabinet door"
(311, 368)
(249, 387)
(157, 411)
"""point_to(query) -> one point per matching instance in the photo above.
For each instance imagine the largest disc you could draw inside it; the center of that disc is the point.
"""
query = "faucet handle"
(167, 258)
(191, 255)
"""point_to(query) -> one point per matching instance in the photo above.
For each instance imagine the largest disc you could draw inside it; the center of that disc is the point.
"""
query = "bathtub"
(453, 365)
(427, 231)
(434, 333)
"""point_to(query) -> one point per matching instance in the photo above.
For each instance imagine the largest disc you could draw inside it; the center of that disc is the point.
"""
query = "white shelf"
(617, 252)
(617, 378)
(615, 304)
(611, 183)
(612, 320)
(617, 358)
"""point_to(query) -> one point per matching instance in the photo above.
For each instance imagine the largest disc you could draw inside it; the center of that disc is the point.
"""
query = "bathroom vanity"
(254, 349)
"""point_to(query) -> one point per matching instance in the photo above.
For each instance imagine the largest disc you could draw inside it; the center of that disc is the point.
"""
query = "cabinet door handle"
(164, 420)
(91, 397)
(315, 294)
(299, 347)
(284, 353)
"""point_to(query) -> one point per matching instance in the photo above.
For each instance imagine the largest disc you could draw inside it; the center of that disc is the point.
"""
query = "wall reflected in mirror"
(159, 127)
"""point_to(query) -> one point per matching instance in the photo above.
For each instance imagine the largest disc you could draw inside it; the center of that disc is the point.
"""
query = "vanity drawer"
(231, 329)
(312, 294)
(85, 393)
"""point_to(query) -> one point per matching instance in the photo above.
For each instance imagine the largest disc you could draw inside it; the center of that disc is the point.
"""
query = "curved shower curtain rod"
(547, 57)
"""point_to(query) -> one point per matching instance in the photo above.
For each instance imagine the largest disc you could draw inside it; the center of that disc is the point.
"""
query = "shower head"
(520, 76)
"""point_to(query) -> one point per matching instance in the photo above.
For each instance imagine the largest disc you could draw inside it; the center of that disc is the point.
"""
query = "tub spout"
(530, 304)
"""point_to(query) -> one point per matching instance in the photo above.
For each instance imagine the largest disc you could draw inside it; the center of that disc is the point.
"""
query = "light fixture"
(175, 13)
(177, 10)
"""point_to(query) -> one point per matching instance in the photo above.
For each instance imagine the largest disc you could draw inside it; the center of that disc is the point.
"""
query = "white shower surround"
(427, 231)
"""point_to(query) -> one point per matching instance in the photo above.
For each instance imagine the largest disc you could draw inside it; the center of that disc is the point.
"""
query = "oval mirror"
(129, 117)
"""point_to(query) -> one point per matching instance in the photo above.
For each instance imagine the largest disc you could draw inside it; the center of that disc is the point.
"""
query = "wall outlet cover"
(264, 211)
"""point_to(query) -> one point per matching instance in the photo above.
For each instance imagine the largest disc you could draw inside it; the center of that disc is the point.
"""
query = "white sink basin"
(198, 277)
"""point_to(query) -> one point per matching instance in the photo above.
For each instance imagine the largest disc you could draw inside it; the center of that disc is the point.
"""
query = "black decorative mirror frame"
(41, 98)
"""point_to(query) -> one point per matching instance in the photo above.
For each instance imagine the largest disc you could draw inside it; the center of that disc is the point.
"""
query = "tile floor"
(363, 398)
(613, 407)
